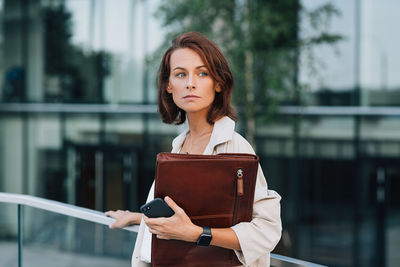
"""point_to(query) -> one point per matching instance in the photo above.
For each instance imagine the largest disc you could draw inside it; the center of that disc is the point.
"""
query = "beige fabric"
(258, 237)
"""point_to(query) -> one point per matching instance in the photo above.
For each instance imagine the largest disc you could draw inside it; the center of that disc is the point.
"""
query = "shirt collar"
(222, 132)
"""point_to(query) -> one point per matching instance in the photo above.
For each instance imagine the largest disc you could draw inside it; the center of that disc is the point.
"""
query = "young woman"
(195, 83)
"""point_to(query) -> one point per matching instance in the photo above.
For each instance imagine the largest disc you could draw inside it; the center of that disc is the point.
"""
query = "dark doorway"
(106, 177)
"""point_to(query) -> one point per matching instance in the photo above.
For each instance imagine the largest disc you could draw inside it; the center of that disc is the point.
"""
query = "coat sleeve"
(259, 237)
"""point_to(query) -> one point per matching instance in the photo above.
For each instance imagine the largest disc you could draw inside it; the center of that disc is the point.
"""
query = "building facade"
(79, 123)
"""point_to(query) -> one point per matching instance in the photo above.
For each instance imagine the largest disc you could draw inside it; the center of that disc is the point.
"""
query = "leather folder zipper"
(239, 191)
(240, 182)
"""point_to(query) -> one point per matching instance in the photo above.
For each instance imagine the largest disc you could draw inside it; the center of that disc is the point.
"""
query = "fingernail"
(166, 198)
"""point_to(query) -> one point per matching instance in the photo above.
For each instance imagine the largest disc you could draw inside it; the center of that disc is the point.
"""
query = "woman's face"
(190, 83)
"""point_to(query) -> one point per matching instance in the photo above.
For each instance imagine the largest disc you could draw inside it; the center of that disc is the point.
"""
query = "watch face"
(204, 240)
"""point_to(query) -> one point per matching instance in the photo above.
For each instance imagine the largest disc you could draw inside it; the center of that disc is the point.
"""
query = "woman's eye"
(180, 75)
(203, 73)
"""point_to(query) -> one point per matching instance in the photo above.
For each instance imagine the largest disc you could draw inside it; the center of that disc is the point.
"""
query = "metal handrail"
(101, 218)
(284, 261)
(61, 208)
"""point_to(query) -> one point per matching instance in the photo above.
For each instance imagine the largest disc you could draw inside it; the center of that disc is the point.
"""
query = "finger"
(115, 224)
(109, 213)
(157, 230)
(120, 223)
(162, 237)
(154, 221)
(153, 231)
(148, 221)
(172, 204)
(114, 213)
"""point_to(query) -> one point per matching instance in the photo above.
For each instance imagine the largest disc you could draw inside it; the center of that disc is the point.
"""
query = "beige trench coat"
(258, 237)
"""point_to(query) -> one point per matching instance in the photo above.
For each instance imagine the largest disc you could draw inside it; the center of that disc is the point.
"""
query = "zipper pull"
(240, 182)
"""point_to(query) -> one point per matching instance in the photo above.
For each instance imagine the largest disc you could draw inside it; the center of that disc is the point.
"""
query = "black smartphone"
(156, 208)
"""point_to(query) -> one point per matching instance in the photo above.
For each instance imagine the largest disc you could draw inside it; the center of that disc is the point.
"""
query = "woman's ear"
(218, 89)
(169, 90)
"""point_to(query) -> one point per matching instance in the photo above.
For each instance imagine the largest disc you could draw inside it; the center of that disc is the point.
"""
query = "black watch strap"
(205, 238)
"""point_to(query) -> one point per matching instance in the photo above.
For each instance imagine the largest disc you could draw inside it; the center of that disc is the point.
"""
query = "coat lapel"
(178, 141)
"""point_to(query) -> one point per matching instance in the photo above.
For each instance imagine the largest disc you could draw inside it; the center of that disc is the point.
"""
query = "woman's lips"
(191, 96)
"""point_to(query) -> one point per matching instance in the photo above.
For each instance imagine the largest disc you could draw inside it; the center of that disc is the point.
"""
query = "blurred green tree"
(68, 63)
(262, 42)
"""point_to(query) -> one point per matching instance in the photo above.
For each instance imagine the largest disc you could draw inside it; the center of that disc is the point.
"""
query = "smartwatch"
(205, 238)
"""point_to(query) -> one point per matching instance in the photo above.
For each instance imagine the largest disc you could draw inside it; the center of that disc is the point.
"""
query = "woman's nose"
(191, 83)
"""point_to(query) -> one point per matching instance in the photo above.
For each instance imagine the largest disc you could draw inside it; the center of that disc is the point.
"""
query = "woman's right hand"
(124, 218)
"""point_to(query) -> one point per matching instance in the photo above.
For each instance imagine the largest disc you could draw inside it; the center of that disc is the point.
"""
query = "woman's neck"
(198, 126)
(199, 135)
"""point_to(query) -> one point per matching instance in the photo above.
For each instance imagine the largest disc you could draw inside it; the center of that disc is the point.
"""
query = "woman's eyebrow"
(182, 68)
(179, 68)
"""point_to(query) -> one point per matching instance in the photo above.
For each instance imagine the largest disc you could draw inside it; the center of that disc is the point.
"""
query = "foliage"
(261, 40)
(67, 62)
(58, 25)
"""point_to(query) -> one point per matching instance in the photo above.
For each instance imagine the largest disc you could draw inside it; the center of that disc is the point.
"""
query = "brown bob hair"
(218, 69)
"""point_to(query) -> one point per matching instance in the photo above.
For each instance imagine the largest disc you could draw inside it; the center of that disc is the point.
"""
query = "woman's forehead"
(185, 58)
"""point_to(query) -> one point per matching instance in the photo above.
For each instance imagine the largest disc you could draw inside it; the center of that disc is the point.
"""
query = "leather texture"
(208, 189)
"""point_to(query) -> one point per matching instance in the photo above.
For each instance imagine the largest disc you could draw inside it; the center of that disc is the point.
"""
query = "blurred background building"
(317, 93)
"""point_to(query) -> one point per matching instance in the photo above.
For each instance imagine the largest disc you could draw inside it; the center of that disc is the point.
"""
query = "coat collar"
(223, 131)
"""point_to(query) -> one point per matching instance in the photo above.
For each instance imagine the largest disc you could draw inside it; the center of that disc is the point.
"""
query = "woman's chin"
(195, 110)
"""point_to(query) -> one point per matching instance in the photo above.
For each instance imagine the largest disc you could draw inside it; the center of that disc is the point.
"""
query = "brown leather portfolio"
(215, 191)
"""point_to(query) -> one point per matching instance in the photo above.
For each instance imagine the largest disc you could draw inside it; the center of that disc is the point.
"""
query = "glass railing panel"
(44, 236)
(8, 235)
(48, 238)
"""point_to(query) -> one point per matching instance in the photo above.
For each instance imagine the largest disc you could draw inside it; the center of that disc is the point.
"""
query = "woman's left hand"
(179, 226)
